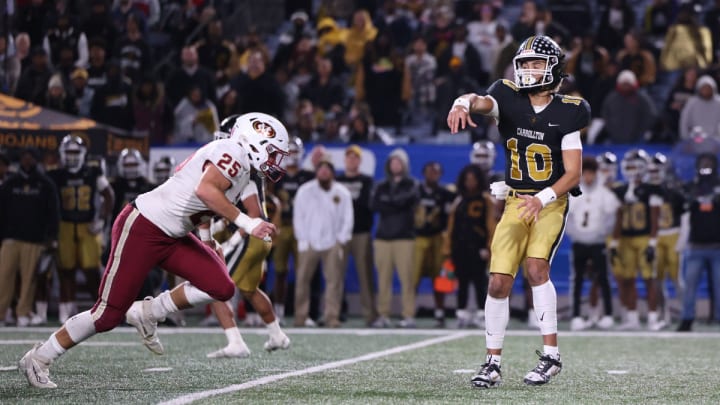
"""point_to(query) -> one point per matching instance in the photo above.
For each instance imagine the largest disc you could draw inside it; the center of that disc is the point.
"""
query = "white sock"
(279, 310)
(462, 314)
(80, 327)
(196, 296)
(162, 305)
(545, 304)
(493, 358)
(497, 315)
(551, 351)
(439, 313)
(233, 336)
(41, 309)
(652, 317)
(479, 314)
(274, 328)
(51, 349)
(632, 316)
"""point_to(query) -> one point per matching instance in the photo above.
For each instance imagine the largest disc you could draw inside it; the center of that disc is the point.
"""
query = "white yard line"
(188, 398)
(92, 344)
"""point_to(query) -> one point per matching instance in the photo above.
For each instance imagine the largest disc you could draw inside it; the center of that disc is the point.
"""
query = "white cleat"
(657, 325)
(140, 316)
(578, 324)
(606, 322)
(629, 325)
(277, 342)
(231, 351)
(36, 369)
(547, 368)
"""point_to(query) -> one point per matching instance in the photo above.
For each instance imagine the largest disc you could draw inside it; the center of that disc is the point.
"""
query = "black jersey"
(360, 188)
(431, 214)
(77, 192)
(470, 224)
(127, 190)
(286, 188)
(671, 209)
(636, 220)
(533, 141)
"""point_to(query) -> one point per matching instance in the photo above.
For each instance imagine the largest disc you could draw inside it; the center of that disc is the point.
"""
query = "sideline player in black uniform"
(79, 240)
(543, 154)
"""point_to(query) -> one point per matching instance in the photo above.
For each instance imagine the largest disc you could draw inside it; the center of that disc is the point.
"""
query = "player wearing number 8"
(543, 153)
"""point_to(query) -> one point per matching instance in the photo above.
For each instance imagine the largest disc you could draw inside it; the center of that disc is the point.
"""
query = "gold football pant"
(246, 270)
(428, 257)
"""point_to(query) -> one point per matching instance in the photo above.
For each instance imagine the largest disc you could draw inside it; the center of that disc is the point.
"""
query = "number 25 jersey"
(175, 208)
(534, 141)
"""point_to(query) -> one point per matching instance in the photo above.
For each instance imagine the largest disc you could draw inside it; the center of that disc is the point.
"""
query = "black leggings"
(469, 268)
(595, 253)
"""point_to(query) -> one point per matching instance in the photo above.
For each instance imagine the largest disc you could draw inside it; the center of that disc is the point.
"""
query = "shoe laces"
(546, 362)
(488, 368)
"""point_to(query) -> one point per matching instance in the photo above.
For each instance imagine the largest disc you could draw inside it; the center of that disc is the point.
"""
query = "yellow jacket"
(681, 51)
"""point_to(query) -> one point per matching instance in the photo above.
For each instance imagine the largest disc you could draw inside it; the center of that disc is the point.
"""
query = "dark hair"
(479, 175)
(589, 163)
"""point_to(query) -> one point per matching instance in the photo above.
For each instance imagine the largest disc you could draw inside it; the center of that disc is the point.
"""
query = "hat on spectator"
(299, 15)
(55, 81)
(354, 149)
(79, 73)
(627, 77)
(326, 159)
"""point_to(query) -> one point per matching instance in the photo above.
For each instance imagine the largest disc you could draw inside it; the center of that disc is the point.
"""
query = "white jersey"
(176, 209)
(592, 215)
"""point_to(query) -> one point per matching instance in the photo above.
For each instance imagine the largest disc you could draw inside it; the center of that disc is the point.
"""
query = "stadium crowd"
(371, 71)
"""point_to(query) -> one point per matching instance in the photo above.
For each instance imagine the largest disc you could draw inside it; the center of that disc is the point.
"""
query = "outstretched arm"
(459, 115)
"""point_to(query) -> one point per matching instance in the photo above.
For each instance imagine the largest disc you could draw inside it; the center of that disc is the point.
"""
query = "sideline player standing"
(543, 156)
(155, 230)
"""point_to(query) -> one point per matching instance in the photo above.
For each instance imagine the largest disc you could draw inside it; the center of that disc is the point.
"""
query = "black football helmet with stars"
(543, 48)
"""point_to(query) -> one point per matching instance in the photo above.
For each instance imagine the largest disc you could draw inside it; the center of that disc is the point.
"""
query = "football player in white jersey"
(155, 230)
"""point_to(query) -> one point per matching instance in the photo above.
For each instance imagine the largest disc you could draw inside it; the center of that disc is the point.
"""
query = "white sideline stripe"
(92, 344)
(186, 399)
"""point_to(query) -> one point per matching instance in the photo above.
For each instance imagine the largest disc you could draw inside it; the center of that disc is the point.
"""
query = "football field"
(369, 366)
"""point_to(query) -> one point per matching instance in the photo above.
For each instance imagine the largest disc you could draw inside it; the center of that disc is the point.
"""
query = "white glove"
(499, 190)
(96, 226)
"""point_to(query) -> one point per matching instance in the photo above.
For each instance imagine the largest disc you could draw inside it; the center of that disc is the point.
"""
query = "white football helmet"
(266, 141)
(226, 127)
(634, 164)
(607, 167)
(162, 169)
(657, 169)
(296, 151)
(131, 164)
(483, 155)
(72, 153)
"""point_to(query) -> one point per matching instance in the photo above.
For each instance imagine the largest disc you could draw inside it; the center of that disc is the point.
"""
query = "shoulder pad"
(510, 84)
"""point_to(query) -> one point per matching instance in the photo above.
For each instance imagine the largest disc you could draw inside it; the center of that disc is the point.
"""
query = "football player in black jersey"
(543, 155)
(131, 180)
(634, 241)
(79, 240)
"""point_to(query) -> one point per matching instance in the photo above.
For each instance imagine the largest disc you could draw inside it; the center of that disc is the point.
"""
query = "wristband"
(546, 196)
(652, 242)
(204, 234)
(246, 223)
(462, 102)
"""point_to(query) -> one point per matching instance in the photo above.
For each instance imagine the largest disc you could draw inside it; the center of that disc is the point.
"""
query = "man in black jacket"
(29, 217)
(395, 199)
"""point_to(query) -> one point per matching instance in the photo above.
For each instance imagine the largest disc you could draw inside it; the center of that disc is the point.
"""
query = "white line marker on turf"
(8, 368)
(89, 344)
(157, 369)
(186, 399)
(617, 371)
(464, 371)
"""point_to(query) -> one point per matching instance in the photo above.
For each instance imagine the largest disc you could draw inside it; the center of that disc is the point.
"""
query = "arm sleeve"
(571, 141)
(82, 49)
(102, 183)
(498, 93)
(347, 217)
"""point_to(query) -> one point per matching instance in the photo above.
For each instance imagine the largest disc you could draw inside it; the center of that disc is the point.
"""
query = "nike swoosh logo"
(542, 316)
(488, 333)
(553, 125)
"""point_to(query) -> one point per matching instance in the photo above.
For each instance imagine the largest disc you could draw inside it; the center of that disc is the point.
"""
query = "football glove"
(650, 254)
(499, 190)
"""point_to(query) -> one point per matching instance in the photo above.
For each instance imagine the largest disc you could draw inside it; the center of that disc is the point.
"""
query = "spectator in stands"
(133, 50)
(22, 50)
(306, 122)
(687, 44)
(431, 220)
(83, 94)
(702, 110)
(481, 34)
(249, 44)
(29, 220)
(100, 25)
(196, 118)
(257, 88)
(152, 112)
(587, 63)
(324, 90)
(31, 18)
(217, 54)
(524, 27)
(360, 247)
(588, 228)
(9, 67)
(300, 29)
(62, 35)
(331, 44)
(57, 98)
(361, 129)
(439, 32)
(323, 224)
(397, 21)
(381, 82)
(97, 70)
(190, 74)
(291, 94)
(628, 111)
(461, 48)
(450, 87)
(33, 82)
(636, 59)
(300, 63)
(616, 21)
(120, 12)
(420, 68)
(361, 32)
(545, 25)
(503, 54)
(112, 102)
(659, 14)
(229, 104)
(149, 9)
(681, 92)
(395, 199)
(4, 166)
(712, 21)
(699, 239)
(66, 64)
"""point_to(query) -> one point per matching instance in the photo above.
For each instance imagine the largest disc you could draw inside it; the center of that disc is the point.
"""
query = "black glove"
(650, 254)
(614, 255)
